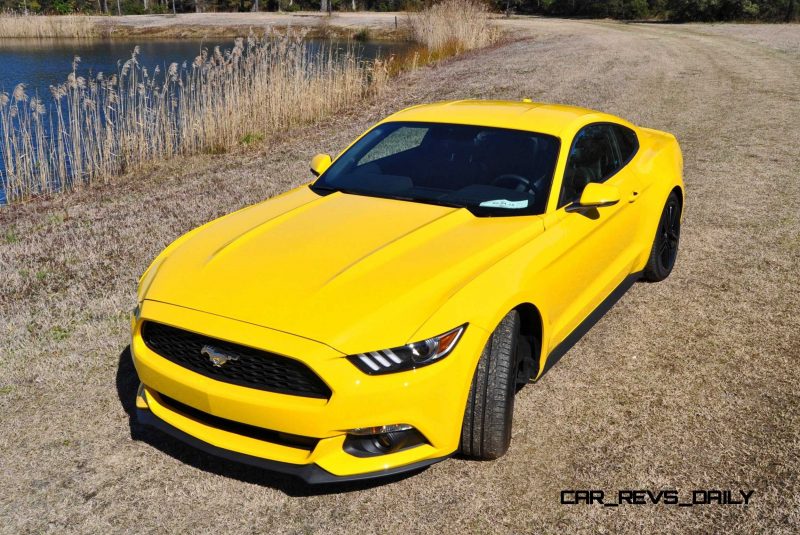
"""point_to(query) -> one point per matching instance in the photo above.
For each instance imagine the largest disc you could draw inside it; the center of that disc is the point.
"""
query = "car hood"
(354, 272)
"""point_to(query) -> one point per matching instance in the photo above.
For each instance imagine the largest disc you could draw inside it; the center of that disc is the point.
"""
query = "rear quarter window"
(627, 141)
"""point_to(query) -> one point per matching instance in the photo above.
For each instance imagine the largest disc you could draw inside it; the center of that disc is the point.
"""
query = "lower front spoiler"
(310, 473)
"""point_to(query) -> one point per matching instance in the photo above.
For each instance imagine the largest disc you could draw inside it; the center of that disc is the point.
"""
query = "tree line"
(670, 10)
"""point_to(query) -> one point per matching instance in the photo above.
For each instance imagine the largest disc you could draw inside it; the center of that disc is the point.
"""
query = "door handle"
(634, 196)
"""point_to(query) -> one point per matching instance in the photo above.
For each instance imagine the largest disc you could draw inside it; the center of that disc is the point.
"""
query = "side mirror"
(320, 163)
(595, 195)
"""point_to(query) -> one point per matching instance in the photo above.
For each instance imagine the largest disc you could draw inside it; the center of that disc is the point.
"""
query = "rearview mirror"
(320, 163)
(595, 195)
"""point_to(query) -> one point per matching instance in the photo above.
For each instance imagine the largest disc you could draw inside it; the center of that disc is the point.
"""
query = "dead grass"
(321, 30)
(381, 26)
(782, 37)
(691, 383)
(47, 26)
(453, 25)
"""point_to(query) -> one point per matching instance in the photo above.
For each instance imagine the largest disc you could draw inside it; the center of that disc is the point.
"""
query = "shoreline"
(388, 26)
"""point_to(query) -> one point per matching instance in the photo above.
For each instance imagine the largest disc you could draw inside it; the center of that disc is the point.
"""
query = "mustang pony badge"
(216, 356)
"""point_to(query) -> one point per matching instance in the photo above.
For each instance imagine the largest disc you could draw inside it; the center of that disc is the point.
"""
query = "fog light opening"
(382, 440)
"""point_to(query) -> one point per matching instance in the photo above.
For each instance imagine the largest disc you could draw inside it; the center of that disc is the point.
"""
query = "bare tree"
(323, 5)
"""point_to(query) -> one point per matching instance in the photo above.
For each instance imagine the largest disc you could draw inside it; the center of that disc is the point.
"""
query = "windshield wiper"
(423, 200)
(315, 187)
(329, 189)
(380, 195)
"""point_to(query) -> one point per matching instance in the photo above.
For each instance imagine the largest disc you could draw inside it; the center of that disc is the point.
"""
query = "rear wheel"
(665, 246)
(486, 431)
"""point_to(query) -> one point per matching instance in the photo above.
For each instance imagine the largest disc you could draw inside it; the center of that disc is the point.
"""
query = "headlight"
(408, 356)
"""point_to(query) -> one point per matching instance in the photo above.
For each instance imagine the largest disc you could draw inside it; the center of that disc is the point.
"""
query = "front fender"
(487, 298)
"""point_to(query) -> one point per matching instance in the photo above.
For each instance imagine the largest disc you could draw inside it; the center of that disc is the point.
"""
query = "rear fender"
(659, 165)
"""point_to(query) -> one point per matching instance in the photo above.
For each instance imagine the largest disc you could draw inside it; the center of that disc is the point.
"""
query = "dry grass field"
(691, 383)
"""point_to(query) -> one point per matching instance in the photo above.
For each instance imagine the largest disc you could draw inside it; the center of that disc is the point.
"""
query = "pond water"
(40, 64)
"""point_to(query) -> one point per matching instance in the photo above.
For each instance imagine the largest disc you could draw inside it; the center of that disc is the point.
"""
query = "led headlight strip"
(409, 356)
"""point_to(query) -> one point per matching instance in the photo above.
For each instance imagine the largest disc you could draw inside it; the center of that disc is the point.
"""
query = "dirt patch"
(691, 383)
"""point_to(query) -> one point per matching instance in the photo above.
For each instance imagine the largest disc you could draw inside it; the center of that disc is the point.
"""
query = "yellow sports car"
(383, 317)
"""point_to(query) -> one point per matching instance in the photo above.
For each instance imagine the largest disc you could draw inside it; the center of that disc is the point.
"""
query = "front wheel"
(665, 246)
(486, 431)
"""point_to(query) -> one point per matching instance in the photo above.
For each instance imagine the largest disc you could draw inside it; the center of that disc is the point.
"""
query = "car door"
(591, 252)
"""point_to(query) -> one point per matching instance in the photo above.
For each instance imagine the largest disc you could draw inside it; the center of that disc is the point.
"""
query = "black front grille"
(252, 431)
(247, 366)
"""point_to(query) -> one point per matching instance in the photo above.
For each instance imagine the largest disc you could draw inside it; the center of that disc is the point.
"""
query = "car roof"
(550, 119)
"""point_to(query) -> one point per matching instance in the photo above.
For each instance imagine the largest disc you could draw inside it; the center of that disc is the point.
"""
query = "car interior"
(594, 157)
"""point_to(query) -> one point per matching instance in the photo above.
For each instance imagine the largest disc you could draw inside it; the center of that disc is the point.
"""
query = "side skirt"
(595, 316)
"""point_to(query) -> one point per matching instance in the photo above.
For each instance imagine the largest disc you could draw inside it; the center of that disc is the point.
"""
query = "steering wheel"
(515, 182)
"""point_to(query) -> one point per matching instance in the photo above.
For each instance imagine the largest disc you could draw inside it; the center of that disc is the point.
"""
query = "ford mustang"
(382, 317)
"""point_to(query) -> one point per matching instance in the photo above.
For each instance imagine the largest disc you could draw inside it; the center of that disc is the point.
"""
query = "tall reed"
(109, 124)
(453, 26)
(46, 26)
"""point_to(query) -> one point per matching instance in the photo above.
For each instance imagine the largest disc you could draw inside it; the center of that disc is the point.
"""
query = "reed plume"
(453, 26)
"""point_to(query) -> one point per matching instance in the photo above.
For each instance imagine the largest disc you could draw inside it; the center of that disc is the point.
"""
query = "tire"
(486, 430)
(665, 245)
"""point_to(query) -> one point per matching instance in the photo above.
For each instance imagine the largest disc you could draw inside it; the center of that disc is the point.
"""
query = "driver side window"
(594, 157)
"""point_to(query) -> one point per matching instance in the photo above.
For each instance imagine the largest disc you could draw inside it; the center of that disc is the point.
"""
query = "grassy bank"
(46, 27)
(377, 26)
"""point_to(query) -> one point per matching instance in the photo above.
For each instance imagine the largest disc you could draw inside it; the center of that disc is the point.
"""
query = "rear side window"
(593, 158)
(627, 141)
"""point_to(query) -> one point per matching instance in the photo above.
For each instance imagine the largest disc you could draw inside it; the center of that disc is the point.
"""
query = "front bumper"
(310, 473)
(431, 399)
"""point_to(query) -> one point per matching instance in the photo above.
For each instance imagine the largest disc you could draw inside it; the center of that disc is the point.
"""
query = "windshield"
(490, 171)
